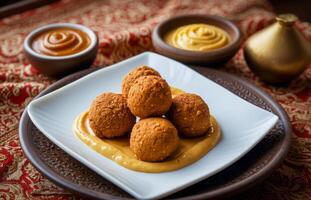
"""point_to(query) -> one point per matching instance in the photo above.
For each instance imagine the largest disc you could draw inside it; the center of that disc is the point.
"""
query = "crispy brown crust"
(130, 78)
(153, 139)
(109, 116)
(149, 96)
(190, 114)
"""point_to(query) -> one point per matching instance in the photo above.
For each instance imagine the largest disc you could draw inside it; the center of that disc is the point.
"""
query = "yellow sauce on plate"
(118, 150)
(197, 37)
(176, 91)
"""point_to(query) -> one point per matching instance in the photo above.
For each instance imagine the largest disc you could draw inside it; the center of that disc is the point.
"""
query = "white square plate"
(243, 125)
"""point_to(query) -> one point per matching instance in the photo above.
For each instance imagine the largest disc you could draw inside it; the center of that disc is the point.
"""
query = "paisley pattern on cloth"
(124, 29)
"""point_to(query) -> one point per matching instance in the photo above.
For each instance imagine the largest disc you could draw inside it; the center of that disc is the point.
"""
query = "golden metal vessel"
(278, 53)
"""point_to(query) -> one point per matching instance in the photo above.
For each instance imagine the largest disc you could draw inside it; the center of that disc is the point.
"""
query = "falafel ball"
(149, 96)
(190, 114)
(109, 116)
(130, 78)
(153, 139)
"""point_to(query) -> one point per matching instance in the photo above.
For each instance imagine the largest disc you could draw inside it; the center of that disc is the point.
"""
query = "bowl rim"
(91, 34)
(159, 41)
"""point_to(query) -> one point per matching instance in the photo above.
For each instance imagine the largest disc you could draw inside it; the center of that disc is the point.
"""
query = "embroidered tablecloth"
(124, 29)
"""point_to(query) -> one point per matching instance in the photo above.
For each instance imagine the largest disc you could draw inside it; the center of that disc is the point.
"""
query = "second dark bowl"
(210, 57)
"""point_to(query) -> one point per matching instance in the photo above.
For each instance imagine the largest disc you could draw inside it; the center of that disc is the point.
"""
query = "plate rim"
(235, 187)
(126, 179)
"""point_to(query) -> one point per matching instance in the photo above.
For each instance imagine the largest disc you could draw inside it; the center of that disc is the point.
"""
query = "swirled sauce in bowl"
(60, 41)
(61, 48)
(197, 37)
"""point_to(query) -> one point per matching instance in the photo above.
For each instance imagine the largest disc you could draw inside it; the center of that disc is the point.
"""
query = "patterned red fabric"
(124, 29)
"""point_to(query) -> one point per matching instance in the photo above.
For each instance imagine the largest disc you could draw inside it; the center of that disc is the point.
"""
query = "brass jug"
(278, 53)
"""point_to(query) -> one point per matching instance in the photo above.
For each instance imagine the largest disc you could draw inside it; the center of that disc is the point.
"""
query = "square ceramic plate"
(243, 125)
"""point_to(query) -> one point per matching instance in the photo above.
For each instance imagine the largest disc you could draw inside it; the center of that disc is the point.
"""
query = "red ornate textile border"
(124, 29)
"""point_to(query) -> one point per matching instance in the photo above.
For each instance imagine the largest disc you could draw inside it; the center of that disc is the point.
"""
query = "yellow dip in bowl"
(197, 37)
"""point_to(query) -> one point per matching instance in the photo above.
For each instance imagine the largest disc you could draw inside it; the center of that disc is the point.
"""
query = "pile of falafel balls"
(162, 119)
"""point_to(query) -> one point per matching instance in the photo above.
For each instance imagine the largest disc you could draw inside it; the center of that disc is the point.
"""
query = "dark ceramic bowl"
(210, 57)
(61, 65)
